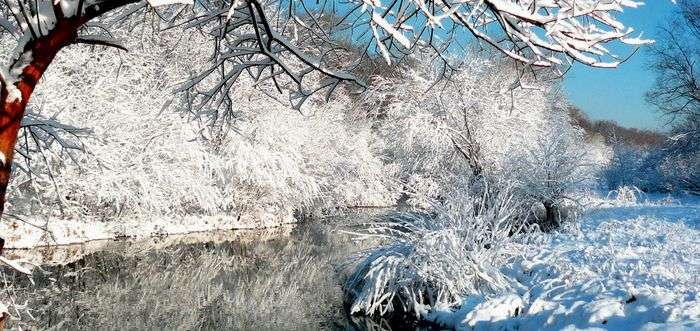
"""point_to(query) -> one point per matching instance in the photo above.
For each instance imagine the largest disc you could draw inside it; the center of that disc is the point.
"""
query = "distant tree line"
(612, 132)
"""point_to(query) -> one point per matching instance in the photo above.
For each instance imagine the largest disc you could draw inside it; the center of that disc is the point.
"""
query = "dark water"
(290, 282)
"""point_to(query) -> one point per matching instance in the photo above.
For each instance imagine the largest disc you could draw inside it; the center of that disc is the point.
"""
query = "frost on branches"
(261, 39)
(115, 152)
(487, 120)
(536, 32)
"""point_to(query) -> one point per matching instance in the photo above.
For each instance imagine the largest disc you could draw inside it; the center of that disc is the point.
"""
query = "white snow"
(15, 265)
(29, 234)
(13, 94)
(11, 75)
(65, 254)
(624, 266)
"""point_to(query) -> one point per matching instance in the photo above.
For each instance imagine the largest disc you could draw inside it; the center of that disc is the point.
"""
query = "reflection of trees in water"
(288, 282)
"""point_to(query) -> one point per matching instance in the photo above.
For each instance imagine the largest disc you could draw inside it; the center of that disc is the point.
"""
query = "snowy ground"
(65, 254)
(623, 266)
(37, 233)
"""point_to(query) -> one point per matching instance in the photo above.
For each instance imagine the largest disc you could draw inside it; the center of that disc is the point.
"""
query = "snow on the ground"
(64, 254)
(625, 265)
(32, 233)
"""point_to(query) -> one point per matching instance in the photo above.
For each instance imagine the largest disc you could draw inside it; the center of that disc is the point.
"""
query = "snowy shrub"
(436, 138)
(474, 152)
(627, 195)
(436, 259)
(485, 121)
(551, 168)
(144, 156)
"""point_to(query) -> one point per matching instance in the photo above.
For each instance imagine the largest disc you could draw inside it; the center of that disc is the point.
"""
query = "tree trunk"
(550, 221)
(41, 51)
(3, 319)
(11, 114)
(3, 314)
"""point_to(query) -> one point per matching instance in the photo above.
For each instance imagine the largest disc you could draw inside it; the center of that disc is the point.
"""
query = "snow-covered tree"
(258, 38)
(551, 167)
(487, 126)
(676, 94)
(140, 160)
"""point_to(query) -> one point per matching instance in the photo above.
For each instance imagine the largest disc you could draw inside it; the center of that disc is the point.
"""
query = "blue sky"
(618, 94)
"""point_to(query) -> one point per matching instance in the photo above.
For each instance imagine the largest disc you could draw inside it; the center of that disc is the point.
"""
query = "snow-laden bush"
(551, 169)
(436, 259)
(438, 136)
(626, 195)
(143, 159)
(485, 121)
(475, 153)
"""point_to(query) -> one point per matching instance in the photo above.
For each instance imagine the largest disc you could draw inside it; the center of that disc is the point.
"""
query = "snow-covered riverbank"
(622, 266)
(27, 234)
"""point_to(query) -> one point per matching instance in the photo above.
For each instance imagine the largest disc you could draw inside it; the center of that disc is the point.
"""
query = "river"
(281, 280)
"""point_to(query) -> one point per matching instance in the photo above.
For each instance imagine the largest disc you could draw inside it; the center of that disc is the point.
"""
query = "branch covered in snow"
(15, 266)
(246, 40)
(539, 33)
(289, 44)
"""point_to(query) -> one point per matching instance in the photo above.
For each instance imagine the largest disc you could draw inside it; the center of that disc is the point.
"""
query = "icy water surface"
(291, 281)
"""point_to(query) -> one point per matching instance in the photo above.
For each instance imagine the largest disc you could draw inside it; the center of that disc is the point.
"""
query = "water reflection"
(283, 281)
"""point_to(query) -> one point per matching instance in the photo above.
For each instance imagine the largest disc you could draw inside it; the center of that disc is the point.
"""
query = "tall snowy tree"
(676, 62)
(676, 93)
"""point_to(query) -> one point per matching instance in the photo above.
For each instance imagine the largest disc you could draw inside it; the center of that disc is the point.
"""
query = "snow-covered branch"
(541, 33)
(248, 43)
(262, 37)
